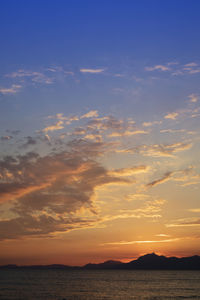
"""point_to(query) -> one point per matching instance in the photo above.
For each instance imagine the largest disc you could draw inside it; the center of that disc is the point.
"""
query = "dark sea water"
(94, 285)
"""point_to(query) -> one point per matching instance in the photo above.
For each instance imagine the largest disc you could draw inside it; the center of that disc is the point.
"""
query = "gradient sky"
(99, 130)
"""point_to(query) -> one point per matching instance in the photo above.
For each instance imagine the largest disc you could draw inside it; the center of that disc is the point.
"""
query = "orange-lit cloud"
(127, 133)
(129, 171)
(90, 114)
(158, 150)
(57, 126)
(171, 116)
(144, 242)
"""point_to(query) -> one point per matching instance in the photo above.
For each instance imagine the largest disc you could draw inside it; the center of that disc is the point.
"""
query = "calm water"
(95, 285)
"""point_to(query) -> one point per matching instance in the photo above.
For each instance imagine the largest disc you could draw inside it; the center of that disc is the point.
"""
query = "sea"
(28, 284)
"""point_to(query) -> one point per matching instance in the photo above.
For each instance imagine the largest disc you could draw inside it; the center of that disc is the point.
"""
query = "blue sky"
(99, 128)
(117, 37)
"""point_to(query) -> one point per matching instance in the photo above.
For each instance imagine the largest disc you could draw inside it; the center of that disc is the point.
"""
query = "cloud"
(163, 179)
(158, 150)
(195, 210)
(79, 131)
(189, 68)
(13, 132)
(57, 126)
(176, 69)
(12, 90)
(135, 197)
(113, 126)
(92, 71)
(41, 226)
(53, 189)
(61, 117)
(107, 123)
(171, 116)
(193, 98)
(185, 222)
(30, 141)
(143, 242)
(47, 193)
(186, 175)
(194, 71)
(166, 149)
(148, 124)
(172, 130)
(192, 64)
(129, 171)
(163, 235)
(96, 137)
(127, 133)
(6, 138)
(90, 114)
(157, 67)
(149, 209)
(35, 76)
(72, 119)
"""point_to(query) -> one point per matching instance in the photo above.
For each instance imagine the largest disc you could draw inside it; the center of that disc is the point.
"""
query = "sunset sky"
(99, 130)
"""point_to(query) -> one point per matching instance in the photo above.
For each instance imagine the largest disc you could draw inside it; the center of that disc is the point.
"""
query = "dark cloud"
(6, 137)
(13, 132)
(30, 141)
(43, 225)
(164, 178)
(46, 193)
(108, 123)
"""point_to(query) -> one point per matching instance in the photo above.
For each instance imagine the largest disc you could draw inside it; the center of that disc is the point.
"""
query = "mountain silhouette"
(150, 261)
(109, 264)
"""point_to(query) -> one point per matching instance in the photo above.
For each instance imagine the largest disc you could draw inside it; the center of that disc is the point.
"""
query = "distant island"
(146, 262)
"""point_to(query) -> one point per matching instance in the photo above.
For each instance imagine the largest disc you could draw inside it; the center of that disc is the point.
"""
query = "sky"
(99, 130)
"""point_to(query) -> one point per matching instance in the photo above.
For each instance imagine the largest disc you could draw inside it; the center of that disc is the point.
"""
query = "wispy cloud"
(11, 90)
(158, 150)
(149, 124)
(189, 68)
(195, 210)
(172, 130)
(59, 116)
(127, 133)
(162, 235)
(143, 242)
(157, 67)
(193, 98)
(135, 197)
(171, 116)
(192, 64)
(52, 190)
(183, 177)
(150, 209)
(176, 69)
(6, 137)
(90, 114)
(57, 126)
(35, 76)
(185, 222)
(92, 71)
(163, 179)
(129, 171)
